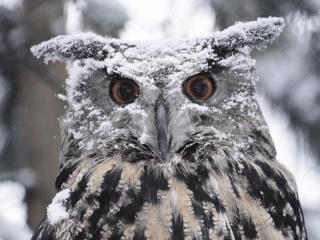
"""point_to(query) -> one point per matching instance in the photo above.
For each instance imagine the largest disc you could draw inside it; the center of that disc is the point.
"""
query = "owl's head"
(159, 100)
(166, 140)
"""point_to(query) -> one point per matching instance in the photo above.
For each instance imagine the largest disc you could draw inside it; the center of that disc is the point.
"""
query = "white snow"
(194, 106)
(13, 212)
(62, 97)
(61, 47)
(65, 48)
(56, 211)
(238, 62)
(255, 33)
(105, 126)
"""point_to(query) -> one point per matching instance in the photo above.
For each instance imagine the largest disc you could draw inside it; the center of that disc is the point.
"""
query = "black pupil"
(126, 91)
(199, 88)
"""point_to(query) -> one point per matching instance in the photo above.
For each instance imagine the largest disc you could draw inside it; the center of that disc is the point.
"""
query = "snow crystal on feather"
(254, 34)
(56, 211)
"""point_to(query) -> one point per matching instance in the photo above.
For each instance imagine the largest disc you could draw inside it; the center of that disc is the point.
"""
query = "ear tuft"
(255, 34)
(70, 47)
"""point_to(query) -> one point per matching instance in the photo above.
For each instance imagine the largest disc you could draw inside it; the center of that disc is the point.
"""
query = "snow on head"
(88, 45)
(140, 61)
(65, 48)
(56, 211)
(143, 62)
(255, 34)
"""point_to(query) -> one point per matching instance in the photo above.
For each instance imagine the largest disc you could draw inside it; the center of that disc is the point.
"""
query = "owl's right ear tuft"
(255, 34)
(66, 48)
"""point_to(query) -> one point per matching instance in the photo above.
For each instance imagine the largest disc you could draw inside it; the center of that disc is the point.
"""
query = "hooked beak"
(162, 119)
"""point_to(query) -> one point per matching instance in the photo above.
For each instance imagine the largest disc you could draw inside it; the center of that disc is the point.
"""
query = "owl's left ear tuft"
(71, 47)
(255, 34)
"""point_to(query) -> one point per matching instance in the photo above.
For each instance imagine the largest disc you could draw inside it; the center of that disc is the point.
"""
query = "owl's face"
(150, 100)
(155, 98)
(160, 97)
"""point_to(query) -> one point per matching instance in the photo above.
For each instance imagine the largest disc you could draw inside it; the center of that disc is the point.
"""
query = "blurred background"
(289, 88)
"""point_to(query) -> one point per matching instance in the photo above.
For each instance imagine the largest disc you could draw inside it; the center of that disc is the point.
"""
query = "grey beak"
(162, 128)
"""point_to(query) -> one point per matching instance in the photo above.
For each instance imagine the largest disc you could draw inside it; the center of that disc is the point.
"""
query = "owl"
(166, 140)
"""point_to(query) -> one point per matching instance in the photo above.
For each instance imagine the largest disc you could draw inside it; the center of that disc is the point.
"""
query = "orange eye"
(199, 87)
(124, 91)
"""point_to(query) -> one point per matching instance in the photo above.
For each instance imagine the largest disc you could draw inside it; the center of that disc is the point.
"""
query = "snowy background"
(29, 110)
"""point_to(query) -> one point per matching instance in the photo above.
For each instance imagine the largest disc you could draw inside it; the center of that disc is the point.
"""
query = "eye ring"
(199, 87)
(124, 91)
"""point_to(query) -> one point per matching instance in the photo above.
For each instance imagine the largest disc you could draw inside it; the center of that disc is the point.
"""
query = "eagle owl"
(166, 140)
